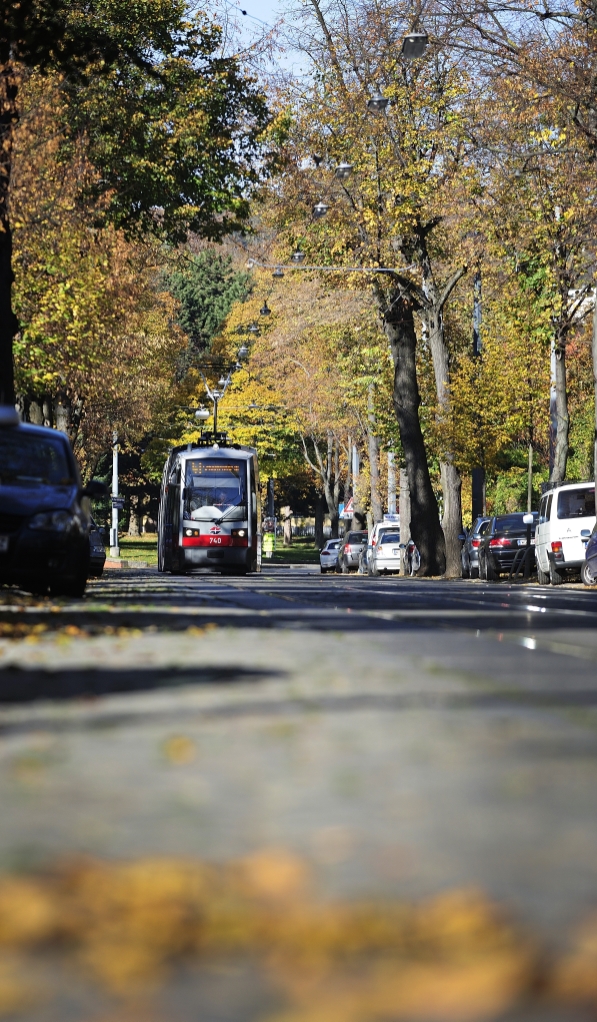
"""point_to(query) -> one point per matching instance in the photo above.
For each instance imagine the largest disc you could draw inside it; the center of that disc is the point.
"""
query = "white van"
(566, 518)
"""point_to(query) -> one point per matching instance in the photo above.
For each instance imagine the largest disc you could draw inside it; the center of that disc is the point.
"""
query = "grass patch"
(139, 548)
(144, 548)
(302, 551)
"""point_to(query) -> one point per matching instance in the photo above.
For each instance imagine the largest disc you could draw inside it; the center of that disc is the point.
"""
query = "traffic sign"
(118, 503)
(348, 510)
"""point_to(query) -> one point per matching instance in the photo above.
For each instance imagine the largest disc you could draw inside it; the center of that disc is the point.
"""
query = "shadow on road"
(25, 685)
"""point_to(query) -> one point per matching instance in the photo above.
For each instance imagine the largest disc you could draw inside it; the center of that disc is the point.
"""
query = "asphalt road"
(401, 737)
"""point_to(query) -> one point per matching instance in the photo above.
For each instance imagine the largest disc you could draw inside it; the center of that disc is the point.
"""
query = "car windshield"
(332, 544)
(215, 488)
(356, 537)
(32, 459)
(390, 537)
(576, 503)
(511, 524)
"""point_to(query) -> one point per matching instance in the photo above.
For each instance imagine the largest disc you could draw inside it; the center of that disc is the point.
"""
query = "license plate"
(523, 542)
(3, 544)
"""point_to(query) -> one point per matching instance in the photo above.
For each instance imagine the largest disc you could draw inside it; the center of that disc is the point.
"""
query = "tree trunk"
(323, 470)
(594, 353)
(450, 476)
(319, 517)
(63, 414)
(8, 321)
(134, 516)
(35, 413)
(426, 530)
(287, 525)
(558, 472)
(376, 507)
(404, 520)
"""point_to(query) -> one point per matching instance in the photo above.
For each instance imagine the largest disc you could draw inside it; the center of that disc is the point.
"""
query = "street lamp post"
(114, 548)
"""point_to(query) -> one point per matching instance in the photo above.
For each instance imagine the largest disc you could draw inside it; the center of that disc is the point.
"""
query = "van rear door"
(575, 512)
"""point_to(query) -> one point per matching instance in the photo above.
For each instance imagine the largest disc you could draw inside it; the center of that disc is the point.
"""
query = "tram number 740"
(214, 539)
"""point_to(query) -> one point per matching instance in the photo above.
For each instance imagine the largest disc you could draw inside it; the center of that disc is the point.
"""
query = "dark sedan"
(97, 551)
(350, 551)
(44, 518)
(470, 548)
(500, 543)
(588, 571)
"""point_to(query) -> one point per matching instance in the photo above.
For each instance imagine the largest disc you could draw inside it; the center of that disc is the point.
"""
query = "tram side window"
(215, 488)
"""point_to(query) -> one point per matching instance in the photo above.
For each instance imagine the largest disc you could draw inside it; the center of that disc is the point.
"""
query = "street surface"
(396, 739)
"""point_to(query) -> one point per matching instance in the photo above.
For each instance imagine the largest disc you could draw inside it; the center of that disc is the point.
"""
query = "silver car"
(328, 555)
(350, 550)
(386, 554)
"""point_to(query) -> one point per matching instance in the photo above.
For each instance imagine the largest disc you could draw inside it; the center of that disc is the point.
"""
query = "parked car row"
(48, 540)
(376, 553)
(563, 540)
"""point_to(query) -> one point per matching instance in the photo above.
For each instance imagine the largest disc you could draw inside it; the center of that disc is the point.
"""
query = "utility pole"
(478, 474)
(391, 483)
(114, 548)
(594, 353)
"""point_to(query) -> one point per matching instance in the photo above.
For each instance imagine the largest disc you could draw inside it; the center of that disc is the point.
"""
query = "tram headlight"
(241, 533)
(188, 532)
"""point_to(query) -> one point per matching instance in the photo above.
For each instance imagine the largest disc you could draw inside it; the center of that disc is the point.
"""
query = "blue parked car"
(588, 572)
(45, 520)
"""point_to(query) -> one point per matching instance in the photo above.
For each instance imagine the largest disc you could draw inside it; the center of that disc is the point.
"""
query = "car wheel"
(474, 573)
(555, 577)
(588, 575)
(465, 569)
(344, 567)
(74, 587)
(481, 568)
(542, 576)
(490, 573)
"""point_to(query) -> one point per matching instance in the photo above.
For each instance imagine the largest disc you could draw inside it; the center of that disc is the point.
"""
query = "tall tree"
(394, 210)
(172, 126)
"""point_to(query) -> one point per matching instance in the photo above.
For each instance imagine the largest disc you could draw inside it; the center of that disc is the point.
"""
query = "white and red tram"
(210, 510)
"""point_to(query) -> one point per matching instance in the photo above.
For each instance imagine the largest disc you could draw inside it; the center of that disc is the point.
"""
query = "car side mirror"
(585, 532)
(402, 546)
(95, 490)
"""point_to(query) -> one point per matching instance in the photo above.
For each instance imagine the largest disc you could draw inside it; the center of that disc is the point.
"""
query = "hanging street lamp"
(414, 45)
(254, 329)
(319, 210)
(243, 351)
(343, 170)
(298, 256)
(202, 414)
(378, 103)
(265, 310)
(278, 272)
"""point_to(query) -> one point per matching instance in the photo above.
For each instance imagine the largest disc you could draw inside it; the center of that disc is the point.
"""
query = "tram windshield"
(214, 489)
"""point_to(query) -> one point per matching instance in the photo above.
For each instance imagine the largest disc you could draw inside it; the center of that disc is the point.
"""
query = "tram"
(210, 511)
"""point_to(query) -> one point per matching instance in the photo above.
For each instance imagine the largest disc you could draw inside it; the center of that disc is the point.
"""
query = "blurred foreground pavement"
(298, 799)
